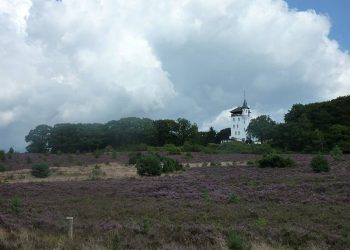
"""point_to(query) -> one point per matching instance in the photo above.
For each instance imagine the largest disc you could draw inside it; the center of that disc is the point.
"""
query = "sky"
(101, 60)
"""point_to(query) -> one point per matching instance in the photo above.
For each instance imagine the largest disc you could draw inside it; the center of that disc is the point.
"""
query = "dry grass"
(73, 173)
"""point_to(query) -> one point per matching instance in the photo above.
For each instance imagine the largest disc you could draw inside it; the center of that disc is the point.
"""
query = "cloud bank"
(98, 60)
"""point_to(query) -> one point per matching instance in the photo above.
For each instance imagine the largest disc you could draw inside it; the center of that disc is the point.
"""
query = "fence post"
(70, 227)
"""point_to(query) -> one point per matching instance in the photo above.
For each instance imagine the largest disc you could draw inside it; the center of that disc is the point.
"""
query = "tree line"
(307, 128)
(88, 137)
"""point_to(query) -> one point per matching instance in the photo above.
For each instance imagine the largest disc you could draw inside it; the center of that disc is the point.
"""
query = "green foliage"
(116, 242)
(336, 153)
(170, 165)
(11, 150)
(215, 164)
(2, 168)
(29, 160)
(319, 163)
(146, 225)
(172, 149)
(243, 148)
(96, 173)
(38, 139)
(261, 128)
(191, 147)
(16, 204)
(2, 155)
(188, 155)
(262, 222)
(233, 199)
(40, 170)
(149, 165)
(134, 157)
(97, 153)
(223, 135)
(275, 161)
(234, 241)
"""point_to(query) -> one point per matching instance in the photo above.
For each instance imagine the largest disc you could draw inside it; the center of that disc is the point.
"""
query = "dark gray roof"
(245, 105)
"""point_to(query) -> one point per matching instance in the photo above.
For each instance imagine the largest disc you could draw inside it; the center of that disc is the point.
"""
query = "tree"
(223, 135)
(261, 128)
(186, 131)
(38, 139)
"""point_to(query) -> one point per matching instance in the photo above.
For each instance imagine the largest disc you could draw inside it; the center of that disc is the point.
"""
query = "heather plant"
(336, 153)
(205, 164)
(188, 155)
(97, 153)
(16, 204)
(319, 163)
(261, 222)
(275, 161)
(149, 165)
(114, 154)
(40, 170)
(234, 241)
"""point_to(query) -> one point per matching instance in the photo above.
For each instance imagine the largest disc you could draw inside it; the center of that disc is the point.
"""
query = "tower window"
(239, 132)
(233, 119)
(238, 118)
(237, 125)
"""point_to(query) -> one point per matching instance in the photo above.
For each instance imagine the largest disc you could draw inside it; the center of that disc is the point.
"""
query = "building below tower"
(240, 121)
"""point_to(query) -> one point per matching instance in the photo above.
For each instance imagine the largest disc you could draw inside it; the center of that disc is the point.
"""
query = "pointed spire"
(245, 105)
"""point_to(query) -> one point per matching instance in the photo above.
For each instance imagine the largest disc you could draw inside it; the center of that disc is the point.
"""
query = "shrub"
(97, 153)
(96, 173)
(29, 160)
(235, 242)
(234, 199)
(2, 155)
(149, 165)
(16, 203)
(11, 150)
(188, 155)
(191, 147)
(2, 168)
(170, 165)
(275, 161)
(40, 170)
(215, 164)
(134, 157)
(336, 153)
(319, 163)
(172, 149)
(116, 242)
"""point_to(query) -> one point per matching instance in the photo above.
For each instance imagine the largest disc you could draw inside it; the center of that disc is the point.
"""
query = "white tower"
(240, 121)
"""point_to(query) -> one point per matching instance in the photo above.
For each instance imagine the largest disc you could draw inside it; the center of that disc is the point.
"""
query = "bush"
(116, 242)
(2, 155)
(275, 161)
(11, 150)
(319, 163)
(40, 170)
(172, 149)
(96, 173)
(149, 165)
(170, 165)
(16, 203)
(235, 242)
(336, 153)
(2, 168)
(191, 147)
(29, 160)
(134, 157)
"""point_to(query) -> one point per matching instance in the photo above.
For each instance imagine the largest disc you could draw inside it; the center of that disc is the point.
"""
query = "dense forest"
(315, 127)
(308, 128)
(72, 138)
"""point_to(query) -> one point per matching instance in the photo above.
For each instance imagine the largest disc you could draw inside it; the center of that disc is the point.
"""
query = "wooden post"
(70, 227)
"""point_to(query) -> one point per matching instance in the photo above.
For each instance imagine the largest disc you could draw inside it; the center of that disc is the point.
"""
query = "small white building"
(240, 121)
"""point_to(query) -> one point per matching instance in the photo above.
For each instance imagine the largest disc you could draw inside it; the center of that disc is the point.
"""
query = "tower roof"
(245, 105)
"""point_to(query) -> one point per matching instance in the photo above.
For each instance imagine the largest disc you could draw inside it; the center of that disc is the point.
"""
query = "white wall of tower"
(239, 125)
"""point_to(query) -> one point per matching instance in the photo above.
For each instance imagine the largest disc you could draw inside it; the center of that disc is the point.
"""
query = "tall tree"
(261, 128)
(38, 139)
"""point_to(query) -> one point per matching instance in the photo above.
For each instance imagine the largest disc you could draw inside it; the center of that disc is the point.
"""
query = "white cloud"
(97, 60)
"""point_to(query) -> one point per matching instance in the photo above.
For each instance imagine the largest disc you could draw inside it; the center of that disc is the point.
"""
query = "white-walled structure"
(240, 121)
